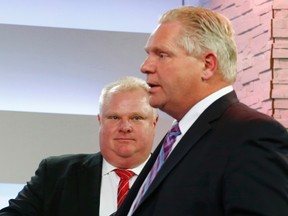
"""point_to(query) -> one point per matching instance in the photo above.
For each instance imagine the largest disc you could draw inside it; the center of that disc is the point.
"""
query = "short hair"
(206, 30)
(128, 83)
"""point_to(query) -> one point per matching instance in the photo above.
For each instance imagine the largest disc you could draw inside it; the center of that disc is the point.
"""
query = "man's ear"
(210, 66)
(99, 118)
(156, 120)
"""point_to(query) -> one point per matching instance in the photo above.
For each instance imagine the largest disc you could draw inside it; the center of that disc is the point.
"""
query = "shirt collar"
(195, 111)
(107, 167)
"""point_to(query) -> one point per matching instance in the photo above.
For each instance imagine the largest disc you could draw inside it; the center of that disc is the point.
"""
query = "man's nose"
(147, 66)
(126, 126)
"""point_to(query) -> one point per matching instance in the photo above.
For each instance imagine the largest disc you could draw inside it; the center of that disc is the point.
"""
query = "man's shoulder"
(74, 160)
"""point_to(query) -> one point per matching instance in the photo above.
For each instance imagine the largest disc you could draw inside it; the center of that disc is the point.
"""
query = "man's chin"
(126, 152)
(154, 102)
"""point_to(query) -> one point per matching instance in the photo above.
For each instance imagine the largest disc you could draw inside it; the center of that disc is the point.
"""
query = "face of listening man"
(127, 128)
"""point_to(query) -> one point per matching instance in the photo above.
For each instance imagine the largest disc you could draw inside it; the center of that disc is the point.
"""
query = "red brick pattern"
(261, 29)
(280, 61)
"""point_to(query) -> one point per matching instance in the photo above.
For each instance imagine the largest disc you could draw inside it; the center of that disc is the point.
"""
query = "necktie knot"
(175, 130)
(170, 139)
(124, 174)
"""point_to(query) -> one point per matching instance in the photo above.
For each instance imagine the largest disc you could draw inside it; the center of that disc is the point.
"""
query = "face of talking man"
(127, 128)
(173, 75)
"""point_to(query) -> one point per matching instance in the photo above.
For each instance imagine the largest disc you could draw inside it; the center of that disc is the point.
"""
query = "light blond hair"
(128, 83)
(206, 30)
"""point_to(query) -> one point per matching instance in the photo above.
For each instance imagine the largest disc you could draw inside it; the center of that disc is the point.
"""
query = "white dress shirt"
(109, 187)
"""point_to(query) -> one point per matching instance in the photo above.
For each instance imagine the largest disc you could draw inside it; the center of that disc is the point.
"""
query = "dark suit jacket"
(232, 161)
(62, 186)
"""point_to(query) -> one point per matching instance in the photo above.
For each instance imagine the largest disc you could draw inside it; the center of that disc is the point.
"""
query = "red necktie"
(123, 186)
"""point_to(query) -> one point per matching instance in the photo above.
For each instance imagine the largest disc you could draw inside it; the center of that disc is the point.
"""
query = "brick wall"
(280, 60)
(261, 30)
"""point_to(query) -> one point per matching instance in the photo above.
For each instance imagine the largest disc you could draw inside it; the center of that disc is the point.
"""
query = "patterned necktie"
(162, 156)
(123, 186)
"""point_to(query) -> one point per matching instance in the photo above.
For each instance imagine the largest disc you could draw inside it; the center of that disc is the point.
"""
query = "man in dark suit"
(227, 159)
(86, 184)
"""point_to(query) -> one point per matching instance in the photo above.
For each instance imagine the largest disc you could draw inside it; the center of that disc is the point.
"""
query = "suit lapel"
(191, 137)
(89, 178)
(125, 207)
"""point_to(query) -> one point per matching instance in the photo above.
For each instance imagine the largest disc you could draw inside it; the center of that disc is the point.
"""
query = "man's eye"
(113, 117)
(162, 55)
(137, 118)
